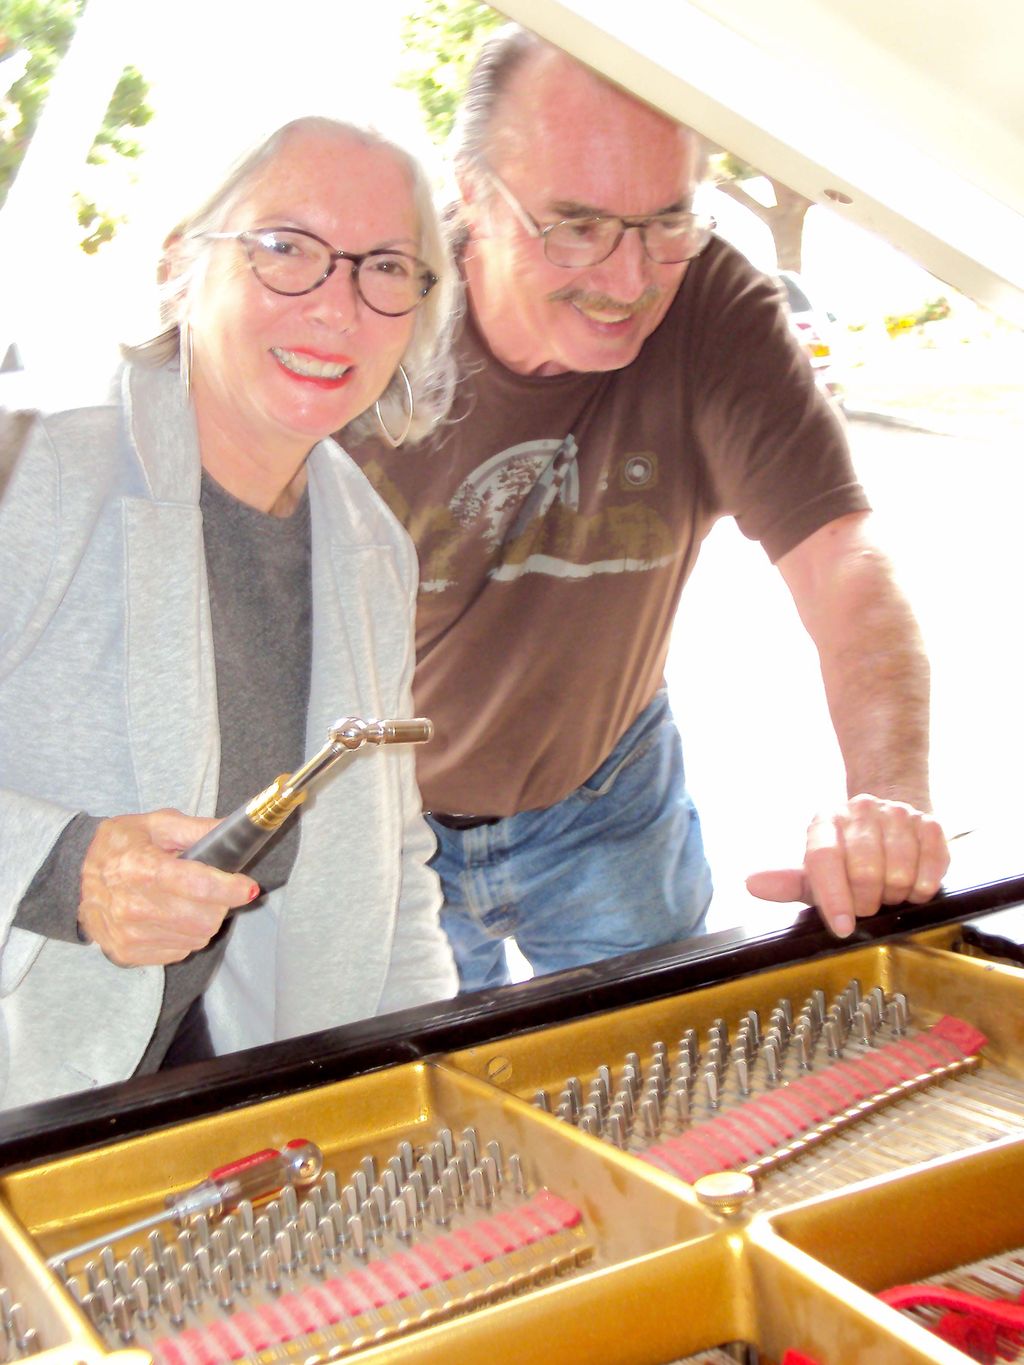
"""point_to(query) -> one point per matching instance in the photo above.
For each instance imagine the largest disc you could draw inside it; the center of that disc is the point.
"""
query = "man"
(626, 379)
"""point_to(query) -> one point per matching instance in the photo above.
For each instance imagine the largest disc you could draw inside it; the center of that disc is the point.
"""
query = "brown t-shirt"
(558, 518)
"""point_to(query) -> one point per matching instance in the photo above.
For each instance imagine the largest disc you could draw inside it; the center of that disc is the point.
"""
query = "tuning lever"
(234, 843)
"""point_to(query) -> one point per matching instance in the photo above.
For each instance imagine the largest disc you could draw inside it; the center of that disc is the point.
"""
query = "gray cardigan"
(108, 704)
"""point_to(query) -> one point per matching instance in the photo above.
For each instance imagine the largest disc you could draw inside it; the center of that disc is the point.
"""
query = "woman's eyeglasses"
(290, 261)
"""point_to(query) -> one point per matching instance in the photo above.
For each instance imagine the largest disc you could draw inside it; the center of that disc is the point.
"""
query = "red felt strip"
(455, 1254)
(368, 1289)
(350, 1295)
(877, 1071)
(666, 1156)
(498, 1236)
(517, 1228)
(326, 1304)
(232, 1345)
(415, 1269)
(764, 1124)
(801, 1111)
(196, 1348)
(476, 1246)
(961, 1034)
(922, 1053)
(393, 1281)
(976, 1338)
(563, 1214)
(698, 1153)
(733, 1143)
(360, 1291)
(535, 1215)
(768, 1126)
(275, 1322)
(834, 1091)
(430, 1254)
(811, 1098)
(249, 1326)
(168, 1351)
(302, 1309)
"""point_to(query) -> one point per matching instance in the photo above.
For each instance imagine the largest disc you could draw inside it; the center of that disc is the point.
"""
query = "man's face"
(568, 145)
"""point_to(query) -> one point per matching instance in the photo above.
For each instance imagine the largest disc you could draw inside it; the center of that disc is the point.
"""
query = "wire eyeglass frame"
(703, 223)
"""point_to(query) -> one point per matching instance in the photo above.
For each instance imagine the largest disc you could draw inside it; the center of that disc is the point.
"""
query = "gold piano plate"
(633, 1219)
(924, 1226)
(935, 982)
(651, 1275)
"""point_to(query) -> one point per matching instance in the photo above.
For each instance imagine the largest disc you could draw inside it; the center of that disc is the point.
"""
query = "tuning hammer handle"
(232, 845)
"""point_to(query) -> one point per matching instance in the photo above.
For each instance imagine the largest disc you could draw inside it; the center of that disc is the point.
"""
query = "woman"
(199, 584)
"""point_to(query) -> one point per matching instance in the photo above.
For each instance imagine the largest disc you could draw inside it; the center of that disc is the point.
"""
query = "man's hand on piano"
(867, 854)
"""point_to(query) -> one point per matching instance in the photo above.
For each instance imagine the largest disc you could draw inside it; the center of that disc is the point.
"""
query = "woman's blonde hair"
(427, 359)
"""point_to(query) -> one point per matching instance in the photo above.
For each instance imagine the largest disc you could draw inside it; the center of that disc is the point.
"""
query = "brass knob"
(725, 1192)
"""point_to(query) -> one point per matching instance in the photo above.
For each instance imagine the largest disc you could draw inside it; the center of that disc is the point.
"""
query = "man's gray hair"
(427, 359)
(501, 55)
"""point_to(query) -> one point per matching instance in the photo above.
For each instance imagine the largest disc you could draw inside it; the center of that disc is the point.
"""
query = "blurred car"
(813, 328)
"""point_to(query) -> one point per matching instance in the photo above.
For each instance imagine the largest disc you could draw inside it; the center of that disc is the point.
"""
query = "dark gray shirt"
(258, 567)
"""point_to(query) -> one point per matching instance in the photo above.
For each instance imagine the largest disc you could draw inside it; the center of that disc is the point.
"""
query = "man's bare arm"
(883, 846)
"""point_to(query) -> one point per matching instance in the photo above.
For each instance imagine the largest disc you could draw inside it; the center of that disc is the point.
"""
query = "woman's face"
(272, 374)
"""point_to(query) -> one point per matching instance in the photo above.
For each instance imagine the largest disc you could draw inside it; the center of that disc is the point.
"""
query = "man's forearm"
(872, 657)
(877, 682)
(882, 846)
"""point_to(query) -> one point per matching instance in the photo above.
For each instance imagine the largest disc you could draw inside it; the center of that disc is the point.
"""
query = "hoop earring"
(185, 357)
(395, 441)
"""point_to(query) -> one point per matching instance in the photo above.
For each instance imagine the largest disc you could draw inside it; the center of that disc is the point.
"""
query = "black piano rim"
(94, 1118)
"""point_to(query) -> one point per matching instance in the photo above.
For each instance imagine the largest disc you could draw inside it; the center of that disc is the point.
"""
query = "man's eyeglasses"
(668, 238)
(290, 261)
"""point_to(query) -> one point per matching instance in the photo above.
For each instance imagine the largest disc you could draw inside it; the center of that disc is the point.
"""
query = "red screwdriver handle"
(251, 1177)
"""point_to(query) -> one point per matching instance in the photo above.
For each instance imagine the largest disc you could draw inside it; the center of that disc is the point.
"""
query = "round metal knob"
(724, 1192)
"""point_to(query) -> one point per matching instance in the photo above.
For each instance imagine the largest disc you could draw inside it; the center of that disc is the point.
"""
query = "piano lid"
(906, 117)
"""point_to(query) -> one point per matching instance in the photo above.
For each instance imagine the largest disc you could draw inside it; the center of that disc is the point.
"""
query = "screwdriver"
(299, 1162)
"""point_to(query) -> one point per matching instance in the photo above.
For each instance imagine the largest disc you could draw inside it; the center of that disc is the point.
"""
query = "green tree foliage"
(43, 29)
(441, 39)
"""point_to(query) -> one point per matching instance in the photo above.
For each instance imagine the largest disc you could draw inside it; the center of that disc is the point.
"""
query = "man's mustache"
(604, 303)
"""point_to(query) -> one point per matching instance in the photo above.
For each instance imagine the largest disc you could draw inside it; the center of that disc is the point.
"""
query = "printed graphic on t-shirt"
(505, 493)
(520, 511)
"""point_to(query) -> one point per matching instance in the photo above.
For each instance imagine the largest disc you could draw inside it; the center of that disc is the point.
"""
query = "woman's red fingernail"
(254, 892)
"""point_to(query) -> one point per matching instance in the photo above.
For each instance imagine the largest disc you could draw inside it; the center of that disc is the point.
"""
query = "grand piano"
(761, 1146)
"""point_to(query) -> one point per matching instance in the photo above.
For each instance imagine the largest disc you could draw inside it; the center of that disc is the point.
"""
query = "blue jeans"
(616, 866)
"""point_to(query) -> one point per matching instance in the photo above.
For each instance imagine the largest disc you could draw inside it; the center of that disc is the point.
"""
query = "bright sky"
(222, 71)
(222, 74)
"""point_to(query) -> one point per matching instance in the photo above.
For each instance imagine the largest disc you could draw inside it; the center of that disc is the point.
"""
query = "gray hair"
(427, 359)
(500, 56)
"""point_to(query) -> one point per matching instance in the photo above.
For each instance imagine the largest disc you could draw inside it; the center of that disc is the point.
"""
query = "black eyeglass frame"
(625, 223)
(247, 237)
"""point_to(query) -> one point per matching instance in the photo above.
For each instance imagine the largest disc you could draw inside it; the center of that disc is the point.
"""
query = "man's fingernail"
(843, 925)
